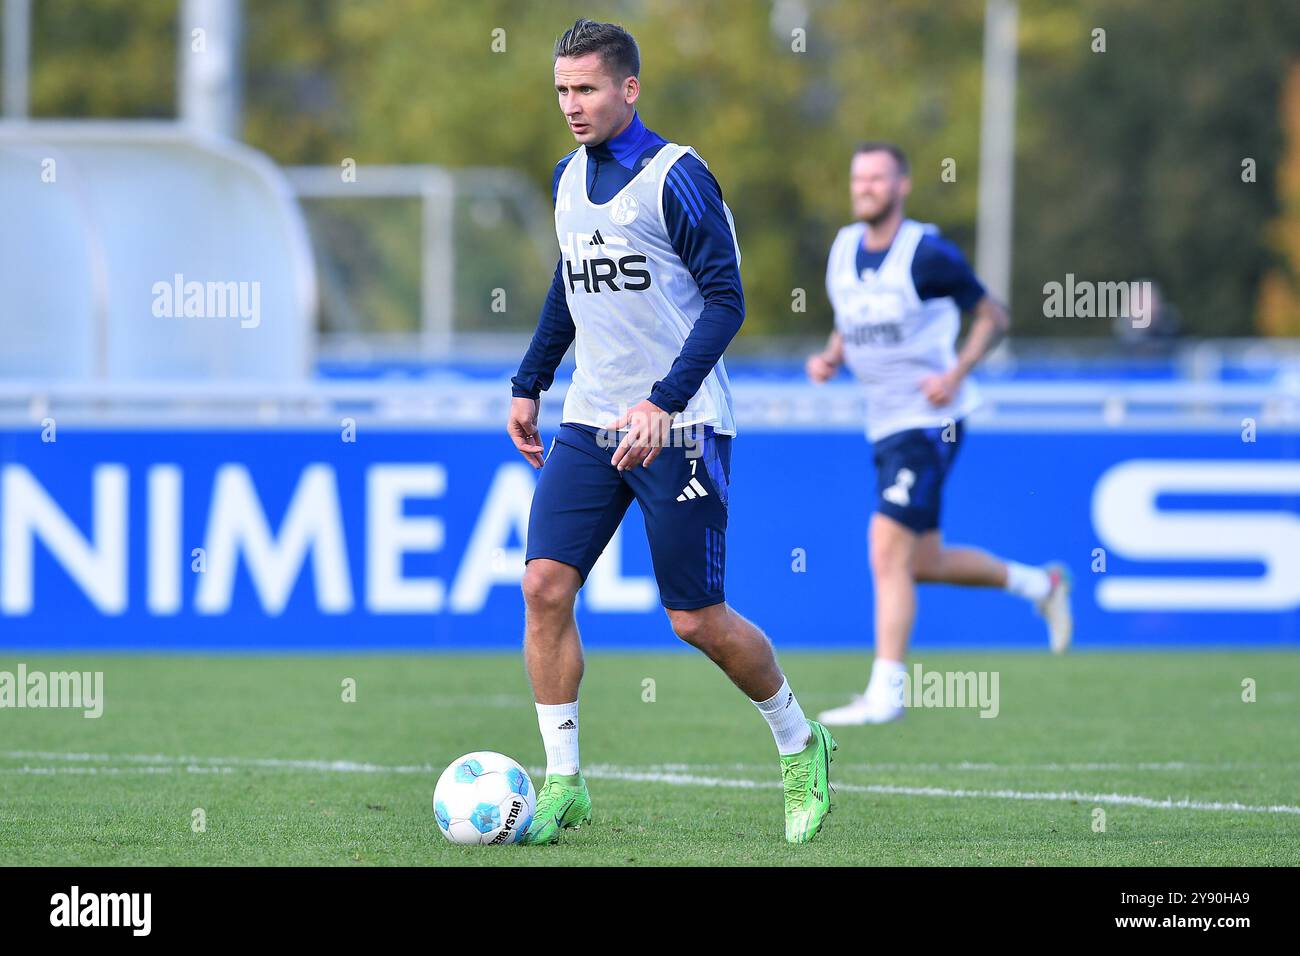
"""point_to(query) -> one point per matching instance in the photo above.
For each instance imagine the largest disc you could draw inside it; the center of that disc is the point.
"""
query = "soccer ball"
(484, 798)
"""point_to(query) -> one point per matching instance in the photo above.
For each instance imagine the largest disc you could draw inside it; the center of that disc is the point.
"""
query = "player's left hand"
(647, 433)
(941, 389)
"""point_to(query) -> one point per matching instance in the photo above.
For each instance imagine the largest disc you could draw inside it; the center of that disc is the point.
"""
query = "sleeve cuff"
(518, 392)
(667, 400)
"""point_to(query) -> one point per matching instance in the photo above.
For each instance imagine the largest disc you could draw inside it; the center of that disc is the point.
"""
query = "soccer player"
(898, 290)
(648, 286)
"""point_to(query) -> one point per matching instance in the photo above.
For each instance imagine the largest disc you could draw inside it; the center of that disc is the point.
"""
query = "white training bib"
(892, 338)
(633, 301)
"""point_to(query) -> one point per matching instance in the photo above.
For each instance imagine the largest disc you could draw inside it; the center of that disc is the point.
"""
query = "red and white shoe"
(1055, 609)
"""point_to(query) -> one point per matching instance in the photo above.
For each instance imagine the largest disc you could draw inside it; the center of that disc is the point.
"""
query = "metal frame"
(437, 188)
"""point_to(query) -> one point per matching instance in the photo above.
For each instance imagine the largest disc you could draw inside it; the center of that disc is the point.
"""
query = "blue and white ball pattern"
(484, 798)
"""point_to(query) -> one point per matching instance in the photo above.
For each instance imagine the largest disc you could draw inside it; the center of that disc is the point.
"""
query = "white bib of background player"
(633, 301)
(893, 339)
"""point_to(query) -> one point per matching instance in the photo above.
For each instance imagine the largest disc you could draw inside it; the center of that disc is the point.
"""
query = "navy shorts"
(911, 467)
(581, 499)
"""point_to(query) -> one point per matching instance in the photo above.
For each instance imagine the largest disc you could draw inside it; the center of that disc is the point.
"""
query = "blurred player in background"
(649, 284)
(898, 290)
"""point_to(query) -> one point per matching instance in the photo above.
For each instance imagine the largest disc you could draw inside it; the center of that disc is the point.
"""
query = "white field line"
(608, 772)
(682, 779)
(966, 765)
(274, 763)
(982, 768)
(107, 771)
(348, 766)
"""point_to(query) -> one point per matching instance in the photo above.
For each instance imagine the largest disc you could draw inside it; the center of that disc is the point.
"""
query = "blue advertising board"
(275, 539)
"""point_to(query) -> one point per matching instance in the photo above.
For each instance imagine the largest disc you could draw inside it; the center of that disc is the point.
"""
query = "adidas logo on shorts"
(898, 493)
(693, 488)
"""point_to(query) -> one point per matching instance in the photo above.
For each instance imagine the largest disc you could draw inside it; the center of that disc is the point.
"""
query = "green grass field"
(287, 773)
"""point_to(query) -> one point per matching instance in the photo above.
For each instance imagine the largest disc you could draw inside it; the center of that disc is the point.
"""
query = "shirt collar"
(627, 146)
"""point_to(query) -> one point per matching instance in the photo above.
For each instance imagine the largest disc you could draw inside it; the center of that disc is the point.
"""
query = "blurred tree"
(1128, 160)
(1279, 294)
(111, 58)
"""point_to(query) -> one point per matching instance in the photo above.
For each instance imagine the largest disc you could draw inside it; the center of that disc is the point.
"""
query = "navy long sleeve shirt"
(701, 237)
(939, 271)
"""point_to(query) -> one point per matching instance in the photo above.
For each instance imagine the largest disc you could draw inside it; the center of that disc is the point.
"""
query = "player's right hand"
(820, 369)
(522, 427)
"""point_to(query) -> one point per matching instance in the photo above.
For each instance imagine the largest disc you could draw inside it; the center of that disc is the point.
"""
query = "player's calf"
(735, 644)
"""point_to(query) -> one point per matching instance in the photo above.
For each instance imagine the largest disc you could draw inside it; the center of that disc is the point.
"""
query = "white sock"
(887, 681)
(1028, 581)
(784, 715)
(559, 725)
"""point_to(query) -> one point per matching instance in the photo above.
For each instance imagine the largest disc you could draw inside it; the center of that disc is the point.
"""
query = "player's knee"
(547, 588)
(690, 626)
(889, 561)
(925, 569)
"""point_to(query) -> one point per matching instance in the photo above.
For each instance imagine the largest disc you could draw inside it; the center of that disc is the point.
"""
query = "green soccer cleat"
(563, 802)
(806, 777)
